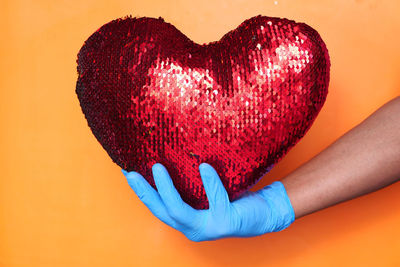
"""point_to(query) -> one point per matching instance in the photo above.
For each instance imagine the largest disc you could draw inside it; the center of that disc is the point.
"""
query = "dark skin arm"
(363, 160)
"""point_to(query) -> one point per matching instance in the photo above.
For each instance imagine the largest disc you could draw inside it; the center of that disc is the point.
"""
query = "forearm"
(363, 160)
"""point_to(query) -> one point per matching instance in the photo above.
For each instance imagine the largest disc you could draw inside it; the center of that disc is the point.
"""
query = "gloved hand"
(254, 213)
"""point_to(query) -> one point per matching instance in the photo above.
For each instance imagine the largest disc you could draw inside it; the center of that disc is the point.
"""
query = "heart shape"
(151, 95)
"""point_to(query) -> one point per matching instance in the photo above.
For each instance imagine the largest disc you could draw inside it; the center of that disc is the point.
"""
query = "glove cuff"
(276, 194)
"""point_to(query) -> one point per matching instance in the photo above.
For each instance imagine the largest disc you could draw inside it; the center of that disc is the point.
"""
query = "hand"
(255, 213)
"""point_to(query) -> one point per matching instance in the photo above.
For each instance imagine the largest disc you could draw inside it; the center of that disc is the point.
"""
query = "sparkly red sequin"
(151, 95)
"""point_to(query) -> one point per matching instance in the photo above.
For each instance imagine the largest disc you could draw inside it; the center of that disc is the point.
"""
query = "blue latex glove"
(254, 213)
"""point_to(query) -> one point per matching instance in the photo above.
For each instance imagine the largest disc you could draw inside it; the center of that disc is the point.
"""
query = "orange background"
(64, 203)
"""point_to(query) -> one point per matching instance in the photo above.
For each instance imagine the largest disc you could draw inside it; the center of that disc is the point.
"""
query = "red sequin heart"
(151, 95)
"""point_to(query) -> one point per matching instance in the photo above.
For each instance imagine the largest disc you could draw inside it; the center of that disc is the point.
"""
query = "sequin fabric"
(150, 94)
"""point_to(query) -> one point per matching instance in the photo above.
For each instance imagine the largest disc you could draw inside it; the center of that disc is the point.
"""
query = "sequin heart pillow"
(150, 94)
